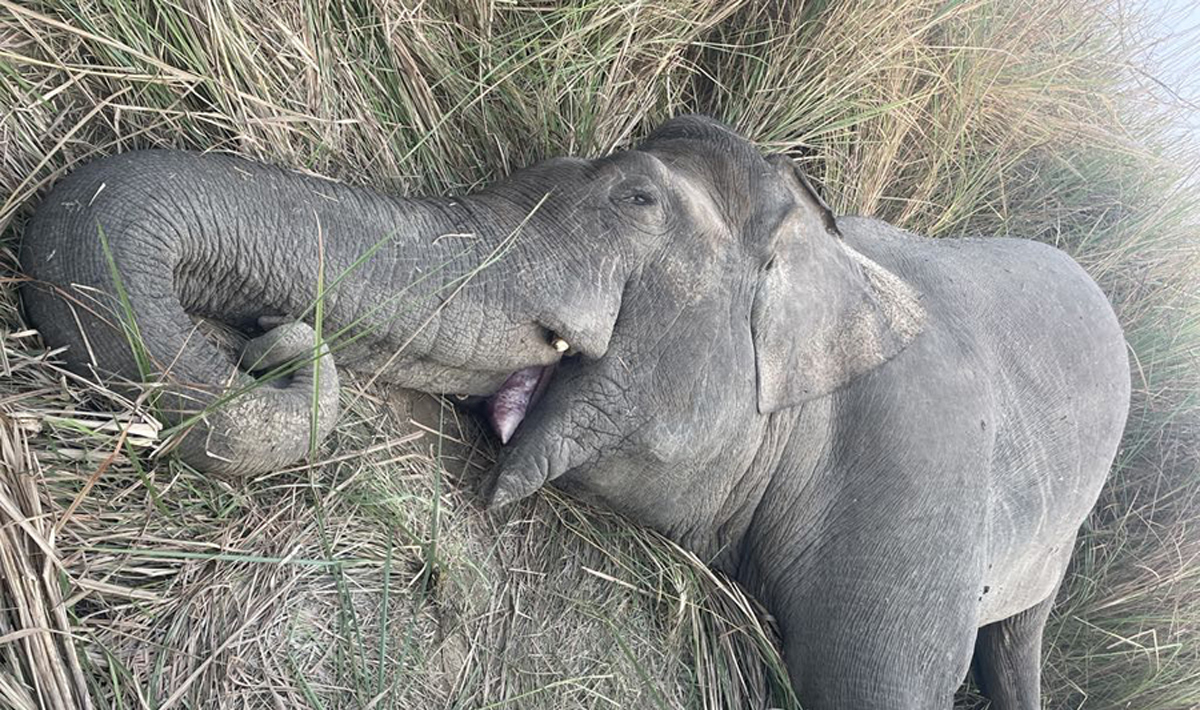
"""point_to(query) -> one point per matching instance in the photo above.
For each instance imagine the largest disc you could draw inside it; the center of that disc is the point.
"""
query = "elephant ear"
(823, 313)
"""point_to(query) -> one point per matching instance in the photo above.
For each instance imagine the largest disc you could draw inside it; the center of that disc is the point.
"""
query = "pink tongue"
(508, 406)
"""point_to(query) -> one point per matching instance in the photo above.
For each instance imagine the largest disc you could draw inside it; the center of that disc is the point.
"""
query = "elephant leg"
(1008, 659)
(870, 650)
(883, 678)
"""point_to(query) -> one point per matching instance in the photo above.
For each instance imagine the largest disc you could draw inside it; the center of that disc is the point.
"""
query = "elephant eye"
(641, 199)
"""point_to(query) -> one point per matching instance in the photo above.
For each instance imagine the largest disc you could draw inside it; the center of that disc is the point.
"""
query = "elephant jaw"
(519, 393)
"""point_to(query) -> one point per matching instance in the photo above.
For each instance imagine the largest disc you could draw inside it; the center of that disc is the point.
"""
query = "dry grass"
(372, 578)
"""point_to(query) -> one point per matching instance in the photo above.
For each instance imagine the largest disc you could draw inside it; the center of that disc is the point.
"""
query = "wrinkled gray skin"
(216, 237)
(890, 440)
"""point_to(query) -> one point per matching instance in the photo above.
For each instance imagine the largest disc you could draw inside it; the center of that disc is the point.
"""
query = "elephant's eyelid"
(639, 198)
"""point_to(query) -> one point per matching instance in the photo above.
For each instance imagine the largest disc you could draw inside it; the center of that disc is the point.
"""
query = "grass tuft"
(371, 578)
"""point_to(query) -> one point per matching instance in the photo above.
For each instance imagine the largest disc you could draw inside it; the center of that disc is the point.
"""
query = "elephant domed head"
(742, 299)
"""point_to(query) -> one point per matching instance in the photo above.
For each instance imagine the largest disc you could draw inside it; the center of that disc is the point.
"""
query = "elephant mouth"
(506, 409)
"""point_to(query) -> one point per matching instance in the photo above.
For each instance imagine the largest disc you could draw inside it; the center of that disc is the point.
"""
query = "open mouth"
(506, 409)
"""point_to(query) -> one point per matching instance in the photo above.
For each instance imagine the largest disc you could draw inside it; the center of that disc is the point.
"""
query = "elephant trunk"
(294, 408)
(128, 255)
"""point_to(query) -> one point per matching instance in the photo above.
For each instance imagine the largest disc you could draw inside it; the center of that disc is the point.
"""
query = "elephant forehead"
(700, 201)
(723, 197)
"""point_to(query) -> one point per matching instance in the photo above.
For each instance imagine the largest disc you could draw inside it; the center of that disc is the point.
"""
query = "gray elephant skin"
(890, 440)
(128, 256)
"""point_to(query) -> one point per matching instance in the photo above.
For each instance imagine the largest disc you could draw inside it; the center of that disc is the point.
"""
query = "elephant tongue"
(512, 401)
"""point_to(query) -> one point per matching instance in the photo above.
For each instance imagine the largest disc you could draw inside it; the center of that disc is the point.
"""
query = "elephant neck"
(793, 500)
(753, 502)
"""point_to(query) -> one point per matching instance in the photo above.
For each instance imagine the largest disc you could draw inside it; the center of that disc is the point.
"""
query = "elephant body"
(941, 492)
(891, 440)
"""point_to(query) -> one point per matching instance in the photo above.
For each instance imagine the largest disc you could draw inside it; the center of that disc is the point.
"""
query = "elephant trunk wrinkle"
(403, 288)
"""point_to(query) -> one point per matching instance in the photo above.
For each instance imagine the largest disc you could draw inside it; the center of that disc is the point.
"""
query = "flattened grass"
(371, 578)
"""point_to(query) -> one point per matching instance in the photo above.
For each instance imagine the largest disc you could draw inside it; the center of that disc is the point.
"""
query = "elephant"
(890, 440)
(137, 262)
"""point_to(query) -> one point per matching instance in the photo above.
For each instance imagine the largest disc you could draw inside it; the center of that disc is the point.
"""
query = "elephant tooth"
(560, 345)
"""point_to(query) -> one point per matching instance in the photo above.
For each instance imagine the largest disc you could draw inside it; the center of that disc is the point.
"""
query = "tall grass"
(370, 579)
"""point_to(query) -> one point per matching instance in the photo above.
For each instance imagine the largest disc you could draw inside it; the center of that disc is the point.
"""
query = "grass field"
(372, 578)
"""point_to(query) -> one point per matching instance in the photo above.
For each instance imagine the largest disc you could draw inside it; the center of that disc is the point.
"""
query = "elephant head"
(742, 301)
(898, 479)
